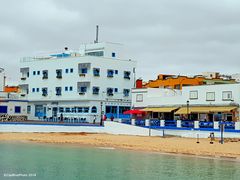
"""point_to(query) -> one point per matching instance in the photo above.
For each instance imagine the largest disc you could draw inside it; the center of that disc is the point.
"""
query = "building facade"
(84, 84)
(204, 102)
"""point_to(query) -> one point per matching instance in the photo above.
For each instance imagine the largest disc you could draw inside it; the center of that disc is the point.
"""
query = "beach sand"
(187, 146)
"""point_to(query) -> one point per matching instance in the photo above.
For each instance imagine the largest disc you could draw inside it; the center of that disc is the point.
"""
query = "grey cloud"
(165, 36)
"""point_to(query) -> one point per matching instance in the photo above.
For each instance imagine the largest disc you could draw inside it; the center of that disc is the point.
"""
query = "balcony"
(25, 73)
(127, 75)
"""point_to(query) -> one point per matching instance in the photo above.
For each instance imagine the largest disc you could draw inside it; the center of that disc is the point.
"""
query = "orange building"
(13, 89)
(177, 82)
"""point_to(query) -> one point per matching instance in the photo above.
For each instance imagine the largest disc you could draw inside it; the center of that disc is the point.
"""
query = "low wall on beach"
(49, 128)
(110, 128)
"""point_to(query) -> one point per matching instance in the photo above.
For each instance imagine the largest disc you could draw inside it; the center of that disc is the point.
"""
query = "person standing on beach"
(94, 119)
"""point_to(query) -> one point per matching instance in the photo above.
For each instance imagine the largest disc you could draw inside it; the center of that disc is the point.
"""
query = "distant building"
(92, 81)
(203, 102)
(178, 82)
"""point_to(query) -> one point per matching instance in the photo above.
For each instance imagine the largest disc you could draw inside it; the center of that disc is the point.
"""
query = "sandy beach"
(186, 146)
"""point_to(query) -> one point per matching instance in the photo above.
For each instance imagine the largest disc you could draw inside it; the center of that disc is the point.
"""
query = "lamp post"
(188, 109)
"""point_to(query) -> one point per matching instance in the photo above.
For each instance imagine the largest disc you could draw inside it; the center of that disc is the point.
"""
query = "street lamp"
(101, 114)
(188, 109)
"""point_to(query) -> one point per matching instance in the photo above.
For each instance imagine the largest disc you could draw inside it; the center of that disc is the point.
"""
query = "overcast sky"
(163, 36)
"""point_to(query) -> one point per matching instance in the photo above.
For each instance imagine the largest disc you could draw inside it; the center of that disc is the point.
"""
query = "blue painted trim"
(192, 129)
(49, 124)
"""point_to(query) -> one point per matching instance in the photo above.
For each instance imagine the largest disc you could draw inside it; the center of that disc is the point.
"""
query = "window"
(110, 91)
(110, 73)
(116, 71)
(70, 88)
(227, 95)
(33, 89)
(84, 71)
(58, 91)
(67, 110)
(94, 109)
(139, 98)
(38, 72)
(83, 89)
(74, 109)
(126, 92)
(210, 96)
(34, 72)
(3, 109)
(86, 109)
(66, 88)
(59, 73)
(17, 109)
(96, 53)
(79, 109)
(44, 91)
(95, 90)
(96, 71)
(37, 89)
(66, 70)
(123, 109)
(61, 109)
(127, 74)
(71, 70)
(28, 109)
(45, 74)
(113, 54)
(193, 95)
(111, 109)
(116, 89)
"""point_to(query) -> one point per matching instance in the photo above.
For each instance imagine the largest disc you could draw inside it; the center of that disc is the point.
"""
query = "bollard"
(147, 122)
(237, 125)
(215, 125)
(133, 122)
(162, 123)
(179, 123)
(196, 124)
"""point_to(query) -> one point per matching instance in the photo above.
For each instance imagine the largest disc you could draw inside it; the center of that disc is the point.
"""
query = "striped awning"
(160, 109)
(206, 109)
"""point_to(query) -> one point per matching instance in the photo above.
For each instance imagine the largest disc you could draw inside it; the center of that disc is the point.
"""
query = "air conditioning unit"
(82, 75)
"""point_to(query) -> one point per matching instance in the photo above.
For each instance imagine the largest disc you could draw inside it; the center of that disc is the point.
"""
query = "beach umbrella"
(134, 111)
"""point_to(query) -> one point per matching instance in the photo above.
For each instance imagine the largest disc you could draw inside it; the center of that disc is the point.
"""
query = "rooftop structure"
(178, 82)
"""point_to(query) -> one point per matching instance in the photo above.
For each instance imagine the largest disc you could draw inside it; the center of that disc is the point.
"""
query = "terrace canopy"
(205, 109)
(160, 109)
(134, 111)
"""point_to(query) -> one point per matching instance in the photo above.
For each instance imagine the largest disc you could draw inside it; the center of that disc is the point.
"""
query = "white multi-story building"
(202, 102)
(90, 82)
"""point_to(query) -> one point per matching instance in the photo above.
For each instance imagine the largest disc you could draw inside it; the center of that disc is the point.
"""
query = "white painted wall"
(158, 97)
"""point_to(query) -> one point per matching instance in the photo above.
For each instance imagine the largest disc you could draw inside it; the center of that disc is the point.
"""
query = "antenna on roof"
(96, 41)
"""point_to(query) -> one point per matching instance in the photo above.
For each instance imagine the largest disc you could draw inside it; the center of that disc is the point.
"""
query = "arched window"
(94, 109)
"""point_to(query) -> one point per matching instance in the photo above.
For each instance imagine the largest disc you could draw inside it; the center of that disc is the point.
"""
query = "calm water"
(71, 162)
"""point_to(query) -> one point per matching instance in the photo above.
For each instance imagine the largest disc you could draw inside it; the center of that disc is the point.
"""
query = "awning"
(202, 109)
(160, 109)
